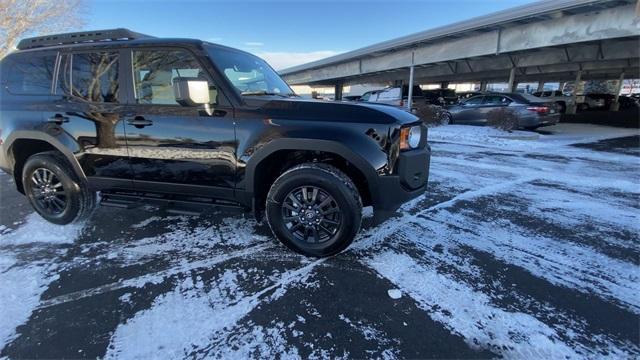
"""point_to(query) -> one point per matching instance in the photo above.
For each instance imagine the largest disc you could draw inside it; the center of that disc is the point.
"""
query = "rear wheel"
(54, 190)
(314, 209)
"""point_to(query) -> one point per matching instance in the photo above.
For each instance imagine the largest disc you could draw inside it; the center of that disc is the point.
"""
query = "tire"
(312, 231)
(48, 176)
(446, 119)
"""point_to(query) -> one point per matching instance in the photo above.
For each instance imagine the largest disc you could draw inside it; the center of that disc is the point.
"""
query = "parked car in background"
(591, 101)
(562, 100)
(396, 96)
(440, 96)
(529, 110)
(628, 102)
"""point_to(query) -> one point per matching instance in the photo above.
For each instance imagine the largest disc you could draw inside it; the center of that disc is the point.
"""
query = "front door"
(470, 110)
(176, 148)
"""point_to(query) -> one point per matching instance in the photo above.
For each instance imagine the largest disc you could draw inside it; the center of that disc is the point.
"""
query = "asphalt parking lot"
(520, 249)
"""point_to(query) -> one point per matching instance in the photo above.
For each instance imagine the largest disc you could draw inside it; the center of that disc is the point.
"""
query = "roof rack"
(80, 37)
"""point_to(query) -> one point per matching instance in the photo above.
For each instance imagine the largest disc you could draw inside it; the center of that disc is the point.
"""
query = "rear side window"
(30, 74)
(92, 77)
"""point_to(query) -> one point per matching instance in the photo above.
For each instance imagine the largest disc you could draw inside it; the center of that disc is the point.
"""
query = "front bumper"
(409, 182)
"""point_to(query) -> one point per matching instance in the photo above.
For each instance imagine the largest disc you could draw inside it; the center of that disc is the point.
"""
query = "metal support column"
(616, 105)
(512, 80)
(572, 108)
(483, 86)
(410, 95)
(338, 92)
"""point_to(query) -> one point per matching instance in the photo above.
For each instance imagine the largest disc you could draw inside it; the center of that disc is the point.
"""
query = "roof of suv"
(99, 38)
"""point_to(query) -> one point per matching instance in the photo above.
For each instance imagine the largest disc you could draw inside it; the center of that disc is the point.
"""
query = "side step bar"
(185, 205)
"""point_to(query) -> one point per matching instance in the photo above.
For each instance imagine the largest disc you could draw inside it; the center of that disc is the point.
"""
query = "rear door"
(176, 148)
(88, 106)
(492, 103)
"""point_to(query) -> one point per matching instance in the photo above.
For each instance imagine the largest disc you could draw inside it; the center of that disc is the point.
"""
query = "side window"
(30, 74)
(365, 96)
(92, 77)
(476, 100)
(496, 100)
(389, 94)
(155, 70)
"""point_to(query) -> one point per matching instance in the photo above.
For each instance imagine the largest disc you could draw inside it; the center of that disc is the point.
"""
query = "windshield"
(249, 74)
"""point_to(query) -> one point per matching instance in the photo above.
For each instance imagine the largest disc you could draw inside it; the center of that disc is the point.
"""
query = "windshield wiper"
(260, 93)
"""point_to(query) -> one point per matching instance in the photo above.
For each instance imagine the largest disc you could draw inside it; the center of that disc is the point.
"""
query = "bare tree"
(22, 18)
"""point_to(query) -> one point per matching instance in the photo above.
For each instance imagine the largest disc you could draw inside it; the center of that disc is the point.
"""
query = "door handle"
(139, 122)
(58, 119)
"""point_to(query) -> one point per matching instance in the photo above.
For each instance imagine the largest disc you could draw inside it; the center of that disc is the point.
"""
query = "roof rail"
(80, 37)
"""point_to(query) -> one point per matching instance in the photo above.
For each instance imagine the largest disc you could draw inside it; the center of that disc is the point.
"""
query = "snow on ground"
(24, 279)
(520, 249)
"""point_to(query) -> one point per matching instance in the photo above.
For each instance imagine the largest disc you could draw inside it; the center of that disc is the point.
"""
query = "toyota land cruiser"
(187, 123)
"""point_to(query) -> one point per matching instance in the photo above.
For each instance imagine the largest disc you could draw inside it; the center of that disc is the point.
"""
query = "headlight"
(410, 137)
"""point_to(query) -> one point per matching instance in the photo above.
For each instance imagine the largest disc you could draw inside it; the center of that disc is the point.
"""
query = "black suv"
(187, 123)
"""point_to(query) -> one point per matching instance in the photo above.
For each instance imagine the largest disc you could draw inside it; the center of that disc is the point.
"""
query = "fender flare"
(329, 146)
(51, 140)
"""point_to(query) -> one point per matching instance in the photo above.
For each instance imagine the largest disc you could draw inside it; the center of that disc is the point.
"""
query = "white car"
(555, 96)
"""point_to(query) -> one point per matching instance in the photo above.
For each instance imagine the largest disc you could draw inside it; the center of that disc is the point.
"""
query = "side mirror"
(191, 92)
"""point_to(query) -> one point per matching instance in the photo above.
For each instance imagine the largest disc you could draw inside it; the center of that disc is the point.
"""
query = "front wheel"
(445, 118)
(54, 190)
(314, 209)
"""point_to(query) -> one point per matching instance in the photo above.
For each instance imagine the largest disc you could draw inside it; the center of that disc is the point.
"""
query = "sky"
(287, 33)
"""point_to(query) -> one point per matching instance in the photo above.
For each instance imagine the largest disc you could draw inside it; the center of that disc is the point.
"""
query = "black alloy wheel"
(311, 214)
(48, 192)
(314, 209)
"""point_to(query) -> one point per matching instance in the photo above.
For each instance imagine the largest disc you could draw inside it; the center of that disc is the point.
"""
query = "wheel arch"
(20, 145)
(363, 173)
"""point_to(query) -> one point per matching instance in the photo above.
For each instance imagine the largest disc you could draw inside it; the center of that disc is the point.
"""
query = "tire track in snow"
(174, 325)
(154, 278)
(515, 290)
(561, 263)
(24, 281)
(470, 313)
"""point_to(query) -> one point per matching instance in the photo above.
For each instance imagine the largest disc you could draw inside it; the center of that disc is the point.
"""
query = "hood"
(332, 111)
